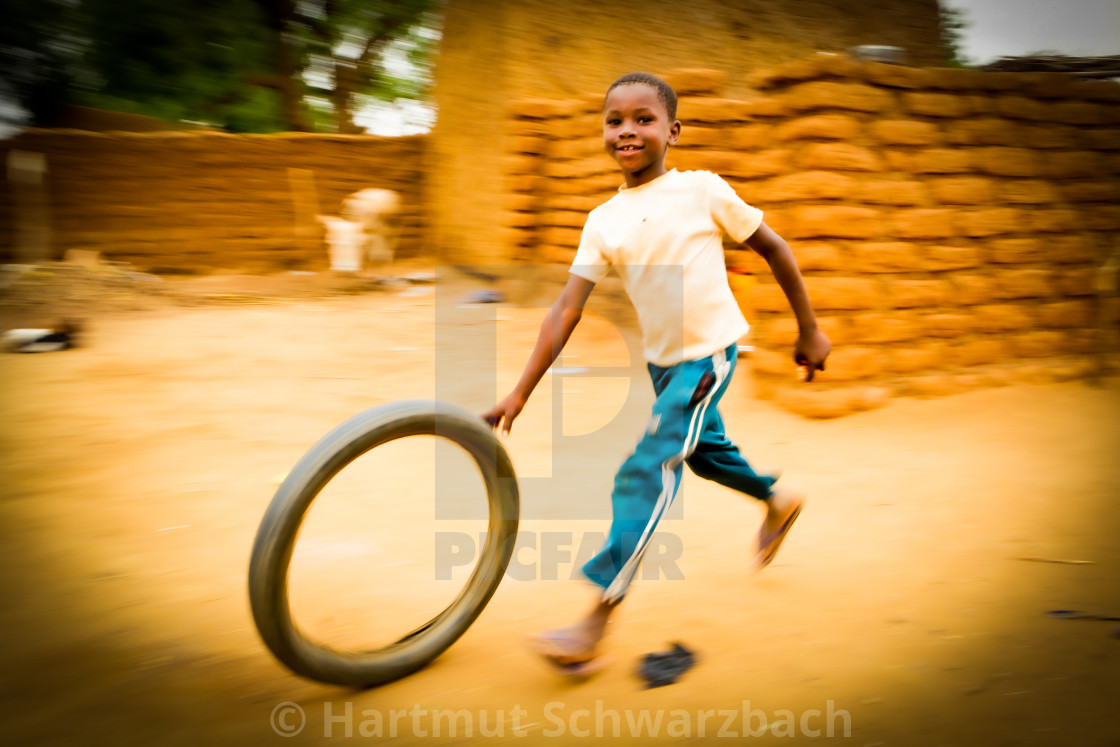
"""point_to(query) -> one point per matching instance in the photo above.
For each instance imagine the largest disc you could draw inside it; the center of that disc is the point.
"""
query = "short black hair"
(665, 92)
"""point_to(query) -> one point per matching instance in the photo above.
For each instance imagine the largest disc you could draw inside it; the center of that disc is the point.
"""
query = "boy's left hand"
(811, 350)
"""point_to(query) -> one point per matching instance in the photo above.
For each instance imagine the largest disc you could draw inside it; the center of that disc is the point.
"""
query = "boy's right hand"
(504, 413)
(810, 352)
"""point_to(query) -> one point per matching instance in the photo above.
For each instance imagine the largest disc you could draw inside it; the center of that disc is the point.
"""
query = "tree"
(953, 23)
(241, 65)
(343, 44)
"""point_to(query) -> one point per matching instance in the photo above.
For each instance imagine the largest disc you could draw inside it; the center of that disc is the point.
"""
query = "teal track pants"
(685, 428)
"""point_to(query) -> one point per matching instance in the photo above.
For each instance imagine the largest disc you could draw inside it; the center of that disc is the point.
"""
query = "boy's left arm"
(813, 346)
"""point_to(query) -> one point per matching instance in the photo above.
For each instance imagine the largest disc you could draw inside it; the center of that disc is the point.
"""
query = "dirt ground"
(908, 607)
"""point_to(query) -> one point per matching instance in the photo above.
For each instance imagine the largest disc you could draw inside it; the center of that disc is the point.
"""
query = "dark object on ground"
(659, 669)
(485, 296)
(62, 336)
(1075, 615)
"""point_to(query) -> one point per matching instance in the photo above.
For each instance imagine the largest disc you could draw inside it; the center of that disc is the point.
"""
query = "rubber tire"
(272, 550)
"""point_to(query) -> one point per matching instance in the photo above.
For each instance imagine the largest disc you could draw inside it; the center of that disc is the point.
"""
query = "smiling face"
(637, 132)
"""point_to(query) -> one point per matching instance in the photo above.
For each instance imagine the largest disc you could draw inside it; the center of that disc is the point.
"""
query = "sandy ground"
(908, 607)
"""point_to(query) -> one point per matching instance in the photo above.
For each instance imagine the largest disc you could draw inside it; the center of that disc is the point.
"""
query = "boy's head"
(639, 125)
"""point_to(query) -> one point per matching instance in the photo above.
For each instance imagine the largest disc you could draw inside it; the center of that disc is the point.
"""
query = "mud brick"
(696, 81)
(954, 78)
(985, 131)
(842, 293)
(1104, 218)
(1049, 137)
(1038, 344)
(928, 357)
(714, 138)
(836, 222)
(1019, 107)
(941, 161)
(980, 104)
(581, 168)
(1010, 251)
(978, 352)
(1076, 282)
(1112, 164)
(1103, 139)
(1101, 190)
(1067, 314)
(884, 192)
(532, 144)
(972, 289)
(912, 294)
(777, 332)
(838, 156)
(766, 163)
(935, 104)
(809, 185)
(963, 190)
(784, 222)
(885, 328)
(765, 297)
(849, 363)
(580, 203)
(1069, 249)
(772, 363)
(544, 109)
(521, 203)
(521, 220)
(895, 76)
(781, 332)
(894, 256)
(1050, 85)
(948, 325)
(576, 149)
(1075, 164)
(924, 223)
(811, 257)
(1007, 162)
(992, 222)
(1077, 113)
(899, 160)
(692, 109)
(819, 127)
(829, 95)
(1027, 191)
(560, 236)
(752, 136)
(1022, 284)
(1002, 317)
(906, 132)
(937, 258)
(1054, 220)
(769, 106)
(518, 163)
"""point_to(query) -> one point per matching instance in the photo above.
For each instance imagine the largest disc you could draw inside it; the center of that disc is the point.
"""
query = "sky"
(1010, 28)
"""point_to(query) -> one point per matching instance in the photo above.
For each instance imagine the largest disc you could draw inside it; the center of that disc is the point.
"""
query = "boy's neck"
(646, 175)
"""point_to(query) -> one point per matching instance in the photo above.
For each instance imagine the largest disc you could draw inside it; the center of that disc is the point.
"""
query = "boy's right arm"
(556, 328)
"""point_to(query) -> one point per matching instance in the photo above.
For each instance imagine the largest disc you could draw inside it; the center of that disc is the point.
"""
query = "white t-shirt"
(665, 240)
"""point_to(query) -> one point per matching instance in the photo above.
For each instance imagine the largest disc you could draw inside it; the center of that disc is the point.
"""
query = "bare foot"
(572, 644)
(782, 510)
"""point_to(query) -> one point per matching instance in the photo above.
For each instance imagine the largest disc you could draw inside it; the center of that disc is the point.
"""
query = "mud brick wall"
(196, 202)
(498, 51)
(952, 225)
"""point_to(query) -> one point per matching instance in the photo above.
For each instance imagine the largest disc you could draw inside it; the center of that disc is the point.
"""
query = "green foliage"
(240, 65)
(953, 23)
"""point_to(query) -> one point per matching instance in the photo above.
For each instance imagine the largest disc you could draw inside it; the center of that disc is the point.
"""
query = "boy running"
(663, 233)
